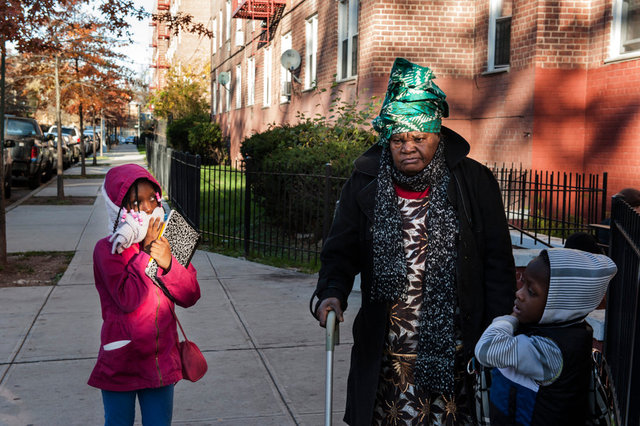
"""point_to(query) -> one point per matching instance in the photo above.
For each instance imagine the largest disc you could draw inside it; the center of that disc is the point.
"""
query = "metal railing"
(279, 213)
(286, 214)
(552, 204)
(622, 342)
(179, 175)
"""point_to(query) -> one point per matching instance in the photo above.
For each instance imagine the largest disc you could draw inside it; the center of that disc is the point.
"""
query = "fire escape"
(159, 40)
(269, 12)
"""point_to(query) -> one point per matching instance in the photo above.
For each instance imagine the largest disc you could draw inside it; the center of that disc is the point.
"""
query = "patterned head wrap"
(413, 102)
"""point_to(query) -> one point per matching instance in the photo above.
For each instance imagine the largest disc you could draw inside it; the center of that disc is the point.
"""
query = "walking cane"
(333, 338)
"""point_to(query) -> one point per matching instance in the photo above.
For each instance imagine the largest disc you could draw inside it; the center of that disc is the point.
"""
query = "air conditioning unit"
(285, 88)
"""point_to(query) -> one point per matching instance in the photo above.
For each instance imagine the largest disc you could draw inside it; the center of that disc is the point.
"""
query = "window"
(347, 38)
(239, 32)
(251, 81)
(238, 86)
(499, 38)
(227, 29)
(227, 98)
(214, 96)
(311, 52)
(220, 29)
(625, 29)
(285, 75)
(214, 42)
(266, 84)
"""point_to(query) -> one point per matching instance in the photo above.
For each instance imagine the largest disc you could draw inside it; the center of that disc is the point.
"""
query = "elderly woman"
(425, 227)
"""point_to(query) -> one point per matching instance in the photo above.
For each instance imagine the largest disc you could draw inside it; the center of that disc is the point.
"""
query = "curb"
(25, 198)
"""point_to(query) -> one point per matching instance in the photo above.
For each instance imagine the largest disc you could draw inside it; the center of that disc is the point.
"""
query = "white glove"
(133, 229)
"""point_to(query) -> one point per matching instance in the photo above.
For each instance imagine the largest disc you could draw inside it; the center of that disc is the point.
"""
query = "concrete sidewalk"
(265, 353)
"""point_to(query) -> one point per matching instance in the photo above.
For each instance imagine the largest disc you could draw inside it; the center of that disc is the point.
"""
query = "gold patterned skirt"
(399, 402)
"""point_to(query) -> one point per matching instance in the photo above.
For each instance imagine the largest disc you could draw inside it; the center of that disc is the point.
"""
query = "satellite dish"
(290, 59)
(224, 78)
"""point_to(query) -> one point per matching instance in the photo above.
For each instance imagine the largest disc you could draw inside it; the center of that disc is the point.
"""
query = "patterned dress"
(398, 401)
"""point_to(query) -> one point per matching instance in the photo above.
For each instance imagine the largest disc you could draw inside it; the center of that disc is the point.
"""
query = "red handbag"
(194, 366)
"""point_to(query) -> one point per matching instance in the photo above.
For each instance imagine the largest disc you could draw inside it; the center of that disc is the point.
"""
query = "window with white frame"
(499, 37)
(227, 98)
(347, 38)
(285, 75)
(220, 21)
(227, 29)
(311, 52)
(251, 81)
(214, 36)
(625, 28)
(266, 80)
(239, 32)
(214, 95)
(238, 86)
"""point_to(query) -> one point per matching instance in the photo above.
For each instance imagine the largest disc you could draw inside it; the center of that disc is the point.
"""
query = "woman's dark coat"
(485, 271)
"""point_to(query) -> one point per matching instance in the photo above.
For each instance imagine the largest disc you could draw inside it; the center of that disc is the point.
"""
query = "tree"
(27, 23)
(185, 93)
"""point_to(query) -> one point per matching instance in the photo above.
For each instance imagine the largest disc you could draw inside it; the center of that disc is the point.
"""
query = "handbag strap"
(178, 321)
(165, 290)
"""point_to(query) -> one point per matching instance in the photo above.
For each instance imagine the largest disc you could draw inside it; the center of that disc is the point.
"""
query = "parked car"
(88, 142)
(91, 138)
(130, 139)
(74, 135)
(67, 150)
(31, 152)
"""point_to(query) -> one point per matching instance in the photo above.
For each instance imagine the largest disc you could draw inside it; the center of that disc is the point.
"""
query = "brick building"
(182, 48)
(160, 44)
(551, 85)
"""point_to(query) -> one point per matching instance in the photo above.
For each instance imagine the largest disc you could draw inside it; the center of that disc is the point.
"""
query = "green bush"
(178, 132)
(205, 139)
(197, 135)
(292, 198)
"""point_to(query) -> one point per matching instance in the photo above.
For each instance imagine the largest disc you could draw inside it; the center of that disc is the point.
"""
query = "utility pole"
(3, 218)
(139, 122)
(102, 141)
(59, 124)
(95, 135)
(83, 150)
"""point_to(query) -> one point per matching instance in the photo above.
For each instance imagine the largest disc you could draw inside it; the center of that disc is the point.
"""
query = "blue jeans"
(156, 405)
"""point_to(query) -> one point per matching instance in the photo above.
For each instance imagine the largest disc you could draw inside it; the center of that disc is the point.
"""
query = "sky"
(139, 52)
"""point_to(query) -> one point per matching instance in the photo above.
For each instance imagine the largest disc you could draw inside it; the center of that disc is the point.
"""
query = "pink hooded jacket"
(138, 340)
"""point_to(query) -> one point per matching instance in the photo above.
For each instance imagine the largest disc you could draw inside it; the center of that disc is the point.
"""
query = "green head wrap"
(413, 102)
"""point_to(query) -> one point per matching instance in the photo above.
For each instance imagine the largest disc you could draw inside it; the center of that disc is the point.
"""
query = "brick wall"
(190, 48)
(559, 106)
(613, 123)
(563, 34)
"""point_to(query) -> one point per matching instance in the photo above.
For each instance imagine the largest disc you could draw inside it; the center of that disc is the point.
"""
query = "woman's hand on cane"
(329, 304)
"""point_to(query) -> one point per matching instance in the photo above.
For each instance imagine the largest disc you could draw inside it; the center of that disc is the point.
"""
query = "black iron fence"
(179, 175)
(622, 340)
(284, 214)
(270, 213)
(552, 204)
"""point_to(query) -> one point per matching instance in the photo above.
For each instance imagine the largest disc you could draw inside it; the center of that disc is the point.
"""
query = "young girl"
(138, 353)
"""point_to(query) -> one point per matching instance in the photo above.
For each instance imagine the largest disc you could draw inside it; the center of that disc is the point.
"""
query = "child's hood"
(578, 282)
(119, 179)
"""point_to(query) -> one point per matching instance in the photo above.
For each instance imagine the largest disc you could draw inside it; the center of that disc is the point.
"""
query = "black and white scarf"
(436, 347)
